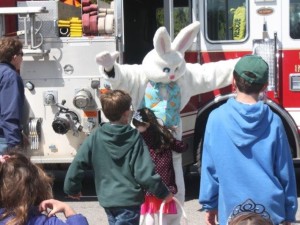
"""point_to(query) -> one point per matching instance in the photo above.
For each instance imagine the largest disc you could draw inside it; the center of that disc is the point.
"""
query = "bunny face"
(165, 63)
(165, 68)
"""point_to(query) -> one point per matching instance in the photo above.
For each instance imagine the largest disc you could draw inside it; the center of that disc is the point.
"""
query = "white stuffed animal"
(164, 82)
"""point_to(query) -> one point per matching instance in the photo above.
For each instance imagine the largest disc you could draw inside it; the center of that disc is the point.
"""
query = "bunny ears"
(162, 41)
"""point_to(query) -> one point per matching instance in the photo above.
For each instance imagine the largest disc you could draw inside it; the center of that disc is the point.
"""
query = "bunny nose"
(172, 77)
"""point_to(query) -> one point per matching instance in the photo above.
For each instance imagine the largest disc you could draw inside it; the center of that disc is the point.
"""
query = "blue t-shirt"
(37, 218)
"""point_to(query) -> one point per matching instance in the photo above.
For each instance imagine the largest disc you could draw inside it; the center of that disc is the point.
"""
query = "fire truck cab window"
(181, 14)
(226, 20)
(295, 19)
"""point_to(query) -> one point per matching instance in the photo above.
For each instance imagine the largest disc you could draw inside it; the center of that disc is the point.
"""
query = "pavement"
(89, 206)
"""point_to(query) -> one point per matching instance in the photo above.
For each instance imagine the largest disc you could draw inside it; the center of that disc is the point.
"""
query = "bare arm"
(56, 206)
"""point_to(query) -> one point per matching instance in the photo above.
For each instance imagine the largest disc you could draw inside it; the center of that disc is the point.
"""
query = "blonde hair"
(22, 186)
(249, 219)
(114, 103)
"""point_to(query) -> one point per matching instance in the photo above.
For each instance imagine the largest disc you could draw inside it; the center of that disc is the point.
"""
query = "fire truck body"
(62, 79)
(265, 27)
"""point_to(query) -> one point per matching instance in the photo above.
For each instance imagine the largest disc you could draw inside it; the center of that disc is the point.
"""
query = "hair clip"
(137, 116)
(3, 158)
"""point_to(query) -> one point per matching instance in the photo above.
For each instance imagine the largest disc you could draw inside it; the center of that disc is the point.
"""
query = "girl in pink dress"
(161, 143)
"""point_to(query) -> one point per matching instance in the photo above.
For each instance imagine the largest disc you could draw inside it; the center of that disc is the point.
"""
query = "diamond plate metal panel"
(48, 21)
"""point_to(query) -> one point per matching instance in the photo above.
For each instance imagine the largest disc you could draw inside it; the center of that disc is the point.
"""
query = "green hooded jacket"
(122, 166)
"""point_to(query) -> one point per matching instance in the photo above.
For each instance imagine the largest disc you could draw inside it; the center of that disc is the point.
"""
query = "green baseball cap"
(253, 64)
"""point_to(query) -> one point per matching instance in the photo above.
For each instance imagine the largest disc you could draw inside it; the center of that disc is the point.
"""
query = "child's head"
(249, 219)
(115, 105)
(22, 186)
(251, 74)
(145, 118)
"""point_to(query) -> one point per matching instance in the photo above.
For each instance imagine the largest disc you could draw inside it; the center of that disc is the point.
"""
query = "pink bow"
(3, 158)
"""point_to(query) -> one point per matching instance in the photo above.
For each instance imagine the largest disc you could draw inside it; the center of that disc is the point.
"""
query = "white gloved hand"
(107, 59)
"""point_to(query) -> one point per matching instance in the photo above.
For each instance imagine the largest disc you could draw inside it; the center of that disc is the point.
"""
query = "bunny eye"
(166, 69)
(177, 68)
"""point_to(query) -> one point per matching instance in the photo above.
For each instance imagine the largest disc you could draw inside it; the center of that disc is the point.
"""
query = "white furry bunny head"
(166, 63)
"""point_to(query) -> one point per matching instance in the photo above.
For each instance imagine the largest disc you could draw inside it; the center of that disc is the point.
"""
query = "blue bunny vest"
(164, 100)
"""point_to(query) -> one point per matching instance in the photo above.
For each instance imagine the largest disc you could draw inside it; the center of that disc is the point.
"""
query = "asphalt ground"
(89, 206)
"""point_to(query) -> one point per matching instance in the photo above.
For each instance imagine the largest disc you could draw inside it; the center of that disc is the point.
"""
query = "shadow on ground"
(192, 183)
(88, 186)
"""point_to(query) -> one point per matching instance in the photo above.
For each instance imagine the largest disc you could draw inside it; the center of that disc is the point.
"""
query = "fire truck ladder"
(26, 13)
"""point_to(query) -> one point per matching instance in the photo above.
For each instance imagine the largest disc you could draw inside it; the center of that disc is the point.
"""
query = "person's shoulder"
(77, 219)
(273, 117)
(37, 218)
(217, 111)
(9, 74)
(41, 219)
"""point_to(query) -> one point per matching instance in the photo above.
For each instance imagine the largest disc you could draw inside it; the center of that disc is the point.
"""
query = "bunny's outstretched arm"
(130, 78)
(107, 61)
(204, 78)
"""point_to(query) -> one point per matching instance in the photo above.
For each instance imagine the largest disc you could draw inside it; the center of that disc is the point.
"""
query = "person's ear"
(126, 113)
(14, 58)
(233, 85)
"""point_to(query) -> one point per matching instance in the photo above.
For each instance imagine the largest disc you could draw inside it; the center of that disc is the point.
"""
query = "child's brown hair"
(246, 87)
(8, 48)
(114, 103)
(22, 186)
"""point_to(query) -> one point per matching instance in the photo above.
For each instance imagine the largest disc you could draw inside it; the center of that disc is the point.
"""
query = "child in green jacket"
(121, 162)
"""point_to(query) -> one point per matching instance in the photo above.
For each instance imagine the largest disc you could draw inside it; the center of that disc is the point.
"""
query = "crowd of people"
(247, 174)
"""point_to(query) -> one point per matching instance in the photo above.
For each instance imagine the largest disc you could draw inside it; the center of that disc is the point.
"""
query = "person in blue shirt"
(246, 154)
(11, 93)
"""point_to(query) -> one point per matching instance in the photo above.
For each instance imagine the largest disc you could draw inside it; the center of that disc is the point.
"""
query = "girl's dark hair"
(161, 135)
(22, 185)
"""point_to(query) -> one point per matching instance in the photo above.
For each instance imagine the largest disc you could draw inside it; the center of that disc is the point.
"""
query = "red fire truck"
(61, 39)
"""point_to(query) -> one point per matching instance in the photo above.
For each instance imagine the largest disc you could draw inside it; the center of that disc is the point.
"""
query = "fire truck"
(61, 77)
